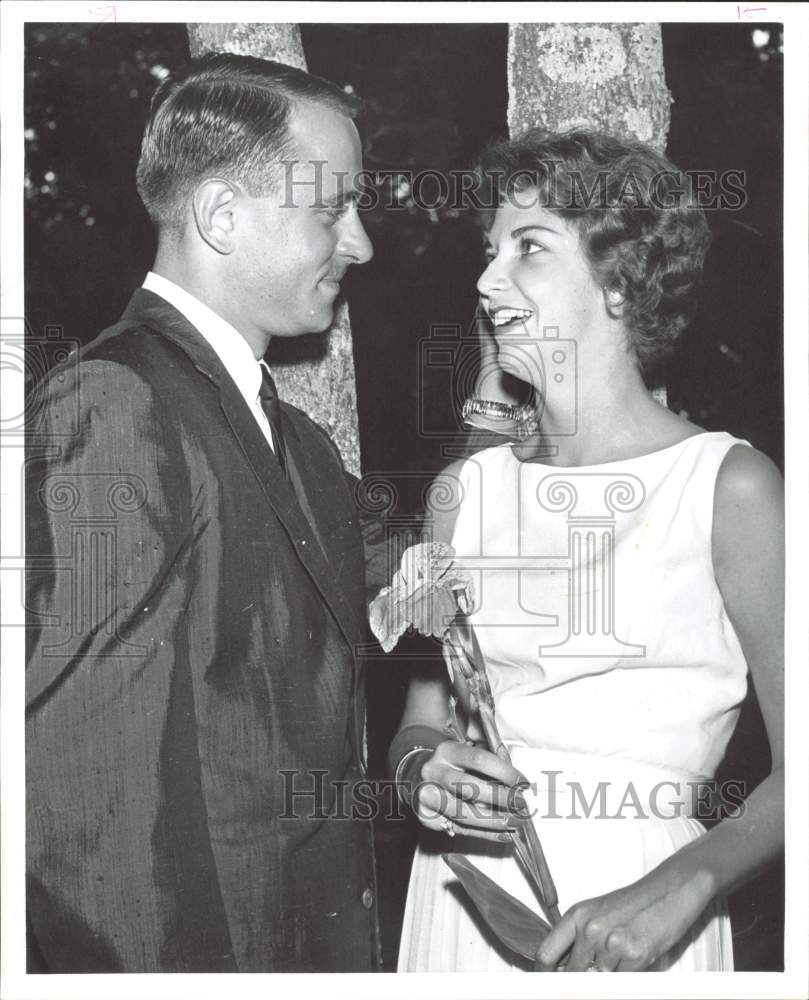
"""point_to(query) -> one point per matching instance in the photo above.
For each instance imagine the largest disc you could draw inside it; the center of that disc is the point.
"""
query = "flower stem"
(467, 661)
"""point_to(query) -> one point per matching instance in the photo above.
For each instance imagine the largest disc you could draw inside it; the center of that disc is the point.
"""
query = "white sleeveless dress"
(617, 679)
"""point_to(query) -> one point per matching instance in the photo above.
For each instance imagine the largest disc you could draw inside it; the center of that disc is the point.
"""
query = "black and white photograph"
(404, 488)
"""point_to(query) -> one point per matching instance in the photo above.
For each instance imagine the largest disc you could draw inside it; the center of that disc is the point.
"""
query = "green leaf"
(519, 928)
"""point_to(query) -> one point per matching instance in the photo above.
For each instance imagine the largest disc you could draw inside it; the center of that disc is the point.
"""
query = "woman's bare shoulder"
(747, 477)
(748, 510)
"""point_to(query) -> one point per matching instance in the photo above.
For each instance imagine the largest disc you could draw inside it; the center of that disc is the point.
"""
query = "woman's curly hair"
(638, 223)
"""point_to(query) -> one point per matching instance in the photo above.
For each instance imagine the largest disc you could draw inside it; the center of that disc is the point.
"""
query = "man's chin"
(311, 325)
(325, 323)
(330, 290)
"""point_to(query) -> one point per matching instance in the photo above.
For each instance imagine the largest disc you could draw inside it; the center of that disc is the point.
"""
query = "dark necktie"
(271, 405)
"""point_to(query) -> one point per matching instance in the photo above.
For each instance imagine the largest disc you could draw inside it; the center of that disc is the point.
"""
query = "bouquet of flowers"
(432, 595)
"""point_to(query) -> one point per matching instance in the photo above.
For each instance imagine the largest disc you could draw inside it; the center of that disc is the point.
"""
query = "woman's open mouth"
(505, 317)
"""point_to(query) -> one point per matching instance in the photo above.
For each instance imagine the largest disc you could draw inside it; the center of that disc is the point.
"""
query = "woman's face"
(537, 290)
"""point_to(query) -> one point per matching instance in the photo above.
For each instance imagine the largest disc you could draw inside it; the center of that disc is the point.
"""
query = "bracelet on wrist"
(408, 745)
(490, 408)
(517, 421)
(407, 775)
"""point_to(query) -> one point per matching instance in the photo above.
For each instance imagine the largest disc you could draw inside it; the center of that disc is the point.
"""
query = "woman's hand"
(466, 789)
(630, 929)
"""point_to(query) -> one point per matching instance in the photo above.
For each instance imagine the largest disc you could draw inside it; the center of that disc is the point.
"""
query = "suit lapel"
(153, 311)
(317, 500)
(284, 502)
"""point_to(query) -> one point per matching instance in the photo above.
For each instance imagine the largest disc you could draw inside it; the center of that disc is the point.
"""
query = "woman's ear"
(614, 299)
(213, 213)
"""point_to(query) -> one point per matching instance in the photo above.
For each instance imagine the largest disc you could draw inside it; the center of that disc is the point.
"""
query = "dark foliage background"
(436, 93)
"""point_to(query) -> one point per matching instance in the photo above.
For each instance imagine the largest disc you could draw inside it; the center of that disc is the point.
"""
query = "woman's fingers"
(436, 804)
(442, 824)
(557, 944)
(586, 949)
(464, 757)
(589, 938)
(469, 788)
(475, 791)
(578, 944)
(626, 952)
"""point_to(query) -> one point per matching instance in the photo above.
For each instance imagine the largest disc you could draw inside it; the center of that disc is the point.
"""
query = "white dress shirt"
(230, 346)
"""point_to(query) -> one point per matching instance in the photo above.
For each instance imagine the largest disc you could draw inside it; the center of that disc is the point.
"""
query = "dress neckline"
(619, 461)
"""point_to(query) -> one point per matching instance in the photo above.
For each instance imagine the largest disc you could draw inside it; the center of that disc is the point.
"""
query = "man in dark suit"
(194, 707)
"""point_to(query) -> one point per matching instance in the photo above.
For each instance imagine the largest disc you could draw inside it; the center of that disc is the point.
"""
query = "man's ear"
(213, 204)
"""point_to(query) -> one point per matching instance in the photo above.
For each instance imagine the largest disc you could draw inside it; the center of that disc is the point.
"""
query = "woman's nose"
(493, 279)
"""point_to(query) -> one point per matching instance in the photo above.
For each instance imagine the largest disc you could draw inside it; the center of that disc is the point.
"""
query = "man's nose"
(354, 242)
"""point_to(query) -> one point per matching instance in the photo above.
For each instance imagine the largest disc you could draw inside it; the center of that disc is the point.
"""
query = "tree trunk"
(316, 372)
(602, 76)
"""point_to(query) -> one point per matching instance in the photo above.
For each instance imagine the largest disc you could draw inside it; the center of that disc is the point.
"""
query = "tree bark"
(604, 76)
(315, 372)
(608, 77)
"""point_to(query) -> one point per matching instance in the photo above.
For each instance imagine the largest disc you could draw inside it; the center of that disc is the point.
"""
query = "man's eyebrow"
(341, 198)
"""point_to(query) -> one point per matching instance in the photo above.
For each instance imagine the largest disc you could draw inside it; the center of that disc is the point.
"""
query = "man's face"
(294, 246)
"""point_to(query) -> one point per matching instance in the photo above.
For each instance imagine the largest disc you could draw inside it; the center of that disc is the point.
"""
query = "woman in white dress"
(628, 571)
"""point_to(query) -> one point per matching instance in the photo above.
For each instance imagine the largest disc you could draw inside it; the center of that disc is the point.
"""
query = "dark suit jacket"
(192, 670)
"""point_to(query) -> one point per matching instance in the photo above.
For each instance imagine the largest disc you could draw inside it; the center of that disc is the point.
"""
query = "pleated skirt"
(625, 835)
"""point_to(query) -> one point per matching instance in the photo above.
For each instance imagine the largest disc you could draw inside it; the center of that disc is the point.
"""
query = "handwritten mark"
(748, 12)
(106, 13)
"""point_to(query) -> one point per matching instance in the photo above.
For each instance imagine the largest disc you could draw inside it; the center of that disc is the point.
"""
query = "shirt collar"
(229, 345)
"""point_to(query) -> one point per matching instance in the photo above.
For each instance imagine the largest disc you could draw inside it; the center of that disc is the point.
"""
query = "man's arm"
(103, 522)
(108, 529)
(377, 543)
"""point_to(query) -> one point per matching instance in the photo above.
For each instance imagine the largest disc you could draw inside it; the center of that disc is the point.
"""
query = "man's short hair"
(224, 115)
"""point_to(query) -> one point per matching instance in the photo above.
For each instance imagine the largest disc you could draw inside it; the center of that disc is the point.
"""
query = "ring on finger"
(448, 827)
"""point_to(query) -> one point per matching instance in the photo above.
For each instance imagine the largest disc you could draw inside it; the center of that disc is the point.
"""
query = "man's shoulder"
(128, 342)
(127, 353)
(127, 367)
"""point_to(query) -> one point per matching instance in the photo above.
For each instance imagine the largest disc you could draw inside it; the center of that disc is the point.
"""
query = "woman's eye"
(529, 246)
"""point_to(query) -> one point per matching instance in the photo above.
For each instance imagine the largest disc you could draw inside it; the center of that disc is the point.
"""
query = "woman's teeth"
(502, 316)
